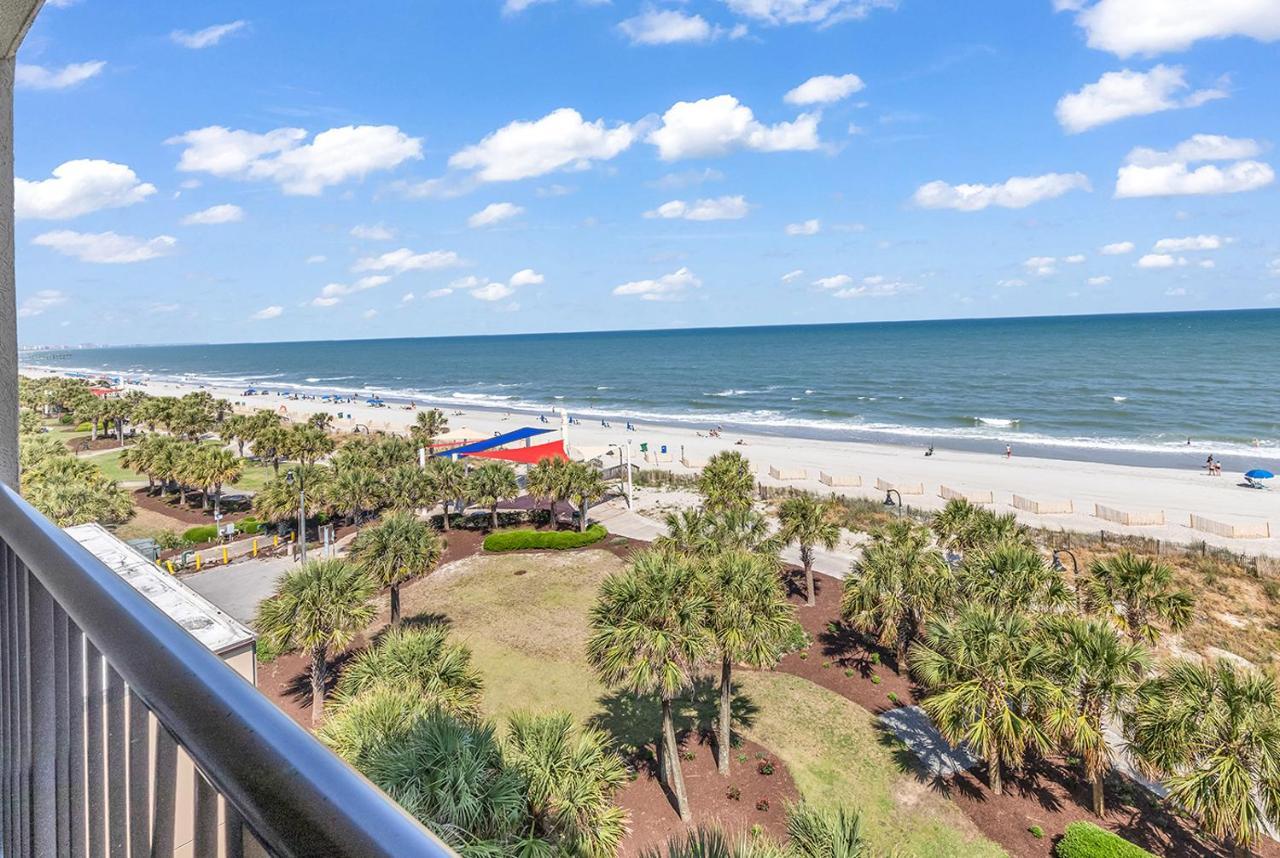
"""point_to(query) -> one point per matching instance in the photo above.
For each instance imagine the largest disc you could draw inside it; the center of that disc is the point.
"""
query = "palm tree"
(236, 429)
(91, 411)
(220, 467)
(897, 586)
(270, 444)
(584, 485)
(547, 480)
(307, 444)
(750, 621)
(399, 549)
(687, 533)
(825, 833)
(726, 482)
(405, 488)
(743, 530)
(571, 775)
(448, 481)
(490, 484)
(808, 522)
(1139, 592)
(1100, 672)
(354, 491)
(319, 608)
(321, 420)
(1013, 577)
(1211, 732)
(987, 682)
(962, 526)
(648, 634)
(420, 659)
(429, 426)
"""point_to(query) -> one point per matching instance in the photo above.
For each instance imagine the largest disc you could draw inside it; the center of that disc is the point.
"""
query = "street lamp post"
(888, 500)
(302, 513)
(1058, 565)
(624, 456)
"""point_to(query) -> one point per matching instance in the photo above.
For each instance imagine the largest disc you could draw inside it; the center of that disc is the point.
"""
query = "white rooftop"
(217, 630)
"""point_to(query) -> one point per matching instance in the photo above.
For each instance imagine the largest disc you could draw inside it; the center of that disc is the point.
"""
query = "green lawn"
(525, 619)
(255, 476)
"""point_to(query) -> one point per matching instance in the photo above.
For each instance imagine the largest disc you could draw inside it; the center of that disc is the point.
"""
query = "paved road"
(238, 588)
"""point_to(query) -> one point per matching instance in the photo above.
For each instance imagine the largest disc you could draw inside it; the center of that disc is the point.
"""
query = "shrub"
(848, 671)
(734, 794)
(167, 540)
(742, 758)
(893, 698)
(826, 664)
(804, 656)
(521, 540)
(1036, 831)
(201, 533)
(687, 755)
(875, 679)
(765, 767)
(874, 658)
(249, 526)
(1086, 840)
(763, 805)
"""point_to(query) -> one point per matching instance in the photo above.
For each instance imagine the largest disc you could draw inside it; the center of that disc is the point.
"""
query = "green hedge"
(201, 533)
(249, 526)
(1086, 840)
(516, 540)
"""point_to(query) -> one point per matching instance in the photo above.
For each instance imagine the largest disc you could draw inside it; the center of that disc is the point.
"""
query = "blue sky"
(230, 171)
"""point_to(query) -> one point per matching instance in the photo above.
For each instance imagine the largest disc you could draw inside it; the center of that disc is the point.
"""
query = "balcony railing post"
(43, 674)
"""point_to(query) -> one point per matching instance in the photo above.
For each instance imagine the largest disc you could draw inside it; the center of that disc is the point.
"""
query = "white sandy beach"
(1140, 491)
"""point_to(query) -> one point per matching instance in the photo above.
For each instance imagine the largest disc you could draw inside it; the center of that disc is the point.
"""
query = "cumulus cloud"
(373, 232)
(39, 77)
(494, 213)
(493, 292)
(404, 259)
(271, 312)
(1190, 242)
(823, 13)
(716, 126)
(668, 287)
(106, 247)
(1041, 265)
(333, 293)
(1011, 283)
(824, 89)
(670, 26)
(1116, 248)
(835, 281)
(316, 259)
(719, 208)
(41, 301)
(1128, 27)
(1161, 260)
(792, 276)
(526, 277)
(809, 227)
(1015, 193)
(1153, 173)
(440, 293)
(1100, 280)
(407, 298)
(485, 290)
(331, 158)
(561, 140)
(79, 187)
(874, 286)
(1074, 259)
(208, 37)
(224, 213)
(1120, 94)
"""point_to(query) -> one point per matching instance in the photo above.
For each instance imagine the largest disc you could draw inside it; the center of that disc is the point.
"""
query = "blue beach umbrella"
(1259, 474)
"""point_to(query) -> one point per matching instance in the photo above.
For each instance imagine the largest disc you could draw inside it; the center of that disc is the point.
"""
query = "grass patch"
(1086, 840)
(254, 477)
(556, 540)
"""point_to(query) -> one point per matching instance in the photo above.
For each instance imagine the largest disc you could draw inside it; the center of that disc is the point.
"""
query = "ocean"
(1119, 388)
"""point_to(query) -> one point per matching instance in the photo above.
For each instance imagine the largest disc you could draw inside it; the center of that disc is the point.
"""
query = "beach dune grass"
(525, 619)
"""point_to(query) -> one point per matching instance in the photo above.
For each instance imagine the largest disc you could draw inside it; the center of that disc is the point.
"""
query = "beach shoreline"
(1173, 494)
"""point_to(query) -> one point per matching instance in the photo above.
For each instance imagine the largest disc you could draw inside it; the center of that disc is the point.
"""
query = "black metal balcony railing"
(99, 690)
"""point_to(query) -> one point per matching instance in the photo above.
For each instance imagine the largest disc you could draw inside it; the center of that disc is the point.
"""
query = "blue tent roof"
(495, 441)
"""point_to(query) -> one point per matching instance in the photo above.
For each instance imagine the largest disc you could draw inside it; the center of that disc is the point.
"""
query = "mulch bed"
(652, 809)
(77, 445)
(1050, 794)
(168, 504)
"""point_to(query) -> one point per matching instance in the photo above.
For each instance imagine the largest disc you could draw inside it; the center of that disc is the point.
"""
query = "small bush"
(765, 767)
(875, 679)
(201, 533)
(848, 671)
(688, 755)
(874, 658)
(266, 652)
(1271, 589)
(742, 758)
(826, 664)
(1086, 840)
(1036, 831)
(167, 540)
(763, 805)
(893, 698)
(804, 656)
(249, 526)
(561, 540)
(833, 627)
(734, 794)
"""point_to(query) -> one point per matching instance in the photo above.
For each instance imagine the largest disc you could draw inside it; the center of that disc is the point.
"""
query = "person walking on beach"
(1008, 451)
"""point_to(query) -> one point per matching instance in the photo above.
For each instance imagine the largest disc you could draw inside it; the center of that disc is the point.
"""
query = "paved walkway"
(913, 727)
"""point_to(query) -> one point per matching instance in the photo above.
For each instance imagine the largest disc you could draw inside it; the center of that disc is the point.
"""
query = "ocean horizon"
(1115, 387)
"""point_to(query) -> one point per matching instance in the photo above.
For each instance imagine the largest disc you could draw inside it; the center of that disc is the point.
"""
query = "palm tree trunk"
(582, 518)
(319, 672)
(217, 500)
(806, 557)
(395, 604)
(204, 498)
(724, 738)
(675, 776)
(1099, 793)
(993, 776)
(93, 429)
(445, 506)
(493, 517)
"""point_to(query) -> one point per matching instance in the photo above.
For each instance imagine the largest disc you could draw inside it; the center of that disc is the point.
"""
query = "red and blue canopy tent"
(490, 448)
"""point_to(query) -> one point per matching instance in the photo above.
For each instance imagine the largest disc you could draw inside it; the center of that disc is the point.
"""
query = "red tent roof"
(524, 455)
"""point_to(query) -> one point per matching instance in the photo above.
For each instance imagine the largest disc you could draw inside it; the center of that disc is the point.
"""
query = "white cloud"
(105, 247)
(1116, 248)
(316, 259)
(1273, 267)
(1120, 94)
(208, 37)
(824, 89)
(494, 213)
(836, 281)
(404, 259)
(821, 12)
(668, 26)
(79, 187)
(526, 277)
(809, 227)
(1015, 193)
(716, 126)
(1074, 259)
(1128, 27)
(407, 298)
(331, 158)
(1011, 283)
(560, 140)
(325, 301)
(224, 213)
(41, 301)
(876, 286)
(1153, 173)
(493, 292)
(1101, 280)
(792, 276)
(439, 293)
(719, 208)
(1176, 292)
(38, 77)
(333, 293)
(1041, 265)
(271, 312)
(668, 287)
(373, 232)
(1207, 263)
(369, 314)
(1161, 260)
(161, 309)
(1191, 242)
(688, 178)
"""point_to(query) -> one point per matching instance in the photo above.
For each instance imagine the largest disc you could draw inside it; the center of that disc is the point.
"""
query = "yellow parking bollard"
(291, 536)
(197, 562)
(170, 562)
(255, 548)
(275, 541)
(225, 561)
